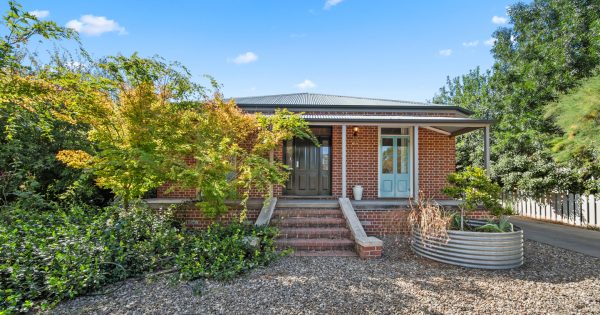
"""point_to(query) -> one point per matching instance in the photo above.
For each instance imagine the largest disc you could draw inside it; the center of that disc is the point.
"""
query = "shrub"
(49, 256)
(223, 252)
(473, 187)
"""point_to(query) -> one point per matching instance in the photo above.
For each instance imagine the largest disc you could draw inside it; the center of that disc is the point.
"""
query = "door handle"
(297, 164)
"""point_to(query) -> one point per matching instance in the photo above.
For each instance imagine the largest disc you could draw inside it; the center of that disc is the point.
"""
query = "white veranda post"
(416, 162)
(343, 161)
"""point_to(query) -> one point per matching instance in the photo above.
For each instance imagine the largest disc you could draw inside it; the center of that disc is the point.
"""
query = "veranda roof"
(449, 125)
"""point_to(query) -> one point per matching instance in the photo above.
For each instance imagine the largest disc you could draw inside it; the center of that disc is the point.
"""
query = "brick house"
(392, 149)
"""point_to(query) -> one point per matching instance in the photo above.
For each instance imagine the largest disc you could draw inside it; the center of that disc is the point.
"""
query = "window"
(395, 131)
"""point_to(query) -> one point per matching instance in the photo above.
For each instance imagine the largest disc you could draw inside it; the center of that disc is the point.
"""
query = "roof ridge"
(336, 96)
(372, 98)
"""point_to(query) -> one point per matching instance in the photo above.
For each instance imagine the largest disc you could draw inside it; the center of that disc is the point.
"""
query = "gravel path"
(552, 280)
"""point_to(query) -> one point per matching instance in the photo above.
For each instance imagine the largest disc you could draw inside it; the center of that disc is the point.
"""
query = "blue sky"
(383, 49)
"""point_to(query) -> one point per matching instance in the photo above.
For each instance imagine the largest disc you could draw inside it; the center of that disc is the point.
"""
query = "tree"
(473, 92)
(578, 115)
(30, 135)
(151, 124)
(21, 28)
(550, 46)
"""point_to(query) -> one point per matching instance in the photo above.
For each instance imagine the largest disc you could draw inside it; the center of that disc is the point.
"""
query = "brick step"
(310, 204)
(308, 222)
(302, 213)
(312, 232)
(315, 244)
(325, 253)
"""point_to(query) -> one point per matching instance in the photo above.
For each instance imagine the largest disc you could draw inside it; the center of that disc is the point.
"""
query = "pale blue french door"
(394, 166)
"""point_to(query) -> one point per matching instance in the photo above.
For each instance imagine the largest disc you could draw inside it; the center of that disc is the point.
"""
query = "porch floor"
(316, 202)
(373, 204)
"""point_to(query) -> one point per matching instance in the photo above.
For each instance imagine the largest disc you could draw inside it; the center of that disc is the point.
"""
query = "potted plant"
(491, 244)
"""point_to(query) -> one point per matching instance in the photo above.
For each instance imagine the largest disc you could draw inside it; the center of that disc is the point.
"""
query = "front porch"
(388, 160)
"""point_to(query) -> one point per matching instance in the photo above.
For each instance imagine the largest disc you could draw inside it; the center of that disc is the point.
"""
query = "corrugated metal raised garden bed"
(473, 249)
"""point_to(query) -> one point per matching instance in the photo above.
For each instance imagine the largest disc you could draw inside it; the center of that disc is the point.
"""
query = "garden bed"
(552, 280)
(473, 249)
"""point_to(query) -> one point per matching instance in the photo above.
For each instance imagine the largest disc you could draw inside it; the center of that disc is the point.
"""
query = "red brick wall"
(384, 222)
(336, 161)
(163, 192)
(361, 160)
(437, 159)
(193, 218)
(395, 221)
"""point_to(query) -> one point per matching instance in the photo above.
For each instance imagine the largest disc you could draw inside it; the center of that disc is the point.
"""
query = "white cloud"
(331, 3)
(490, 42)
(247, 57)
(445, 52)
(471, 43)
(40, 14)
(306, 84)
(95, 25)
(499, 20)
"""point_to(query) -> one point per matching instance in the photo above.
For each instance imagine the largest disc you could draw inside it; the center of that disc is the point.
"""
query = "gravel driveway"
(552, 280)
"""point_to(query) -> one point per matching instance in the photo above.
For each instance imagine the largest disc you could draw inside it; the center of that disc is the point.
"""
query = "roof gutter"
(438, 121)
(355, 108)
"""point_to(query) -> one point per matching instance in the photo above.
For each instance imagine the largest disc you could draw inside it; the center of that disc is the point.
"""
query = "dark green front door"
(311, 167)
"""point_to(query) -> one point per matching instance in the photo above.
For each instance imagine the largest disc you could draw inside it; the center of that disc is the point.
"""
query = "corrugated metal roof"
(320, 100)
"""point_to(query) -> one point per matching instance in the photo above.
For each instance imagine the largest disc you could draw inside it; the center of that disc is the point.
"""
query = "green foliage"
(473, 187)
(578, 115)
(129, 124)
(49, 256)
(148, 128)
(131, 113)
(30, 174)
(549, 47)
(21, 27)
(223, 252)
(500, 226)
(472, 91)
(30, 135)
(135, 123)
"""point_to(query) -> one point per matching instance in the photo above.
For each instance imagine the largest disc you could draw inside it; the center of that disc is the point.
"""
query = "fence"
(575, 209)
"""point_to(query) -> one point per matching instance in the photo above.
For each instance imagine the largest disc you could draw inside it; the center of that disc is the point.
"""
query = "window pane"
(394, 131)
(325, 155)
(402, 163)
(321, 131)
(289, 153)
(387, 156)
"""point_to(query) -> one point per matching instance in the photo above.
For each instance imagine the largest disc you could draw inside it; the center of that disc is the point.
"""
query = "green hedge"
(223, 252)
(46, 257)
